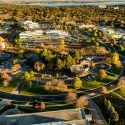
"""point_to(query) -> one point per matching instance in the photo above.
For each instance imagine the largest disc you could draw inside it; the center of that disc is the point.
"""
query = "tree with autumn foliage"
(38, 66)
(82, 102)
(102, 74)
(71, 97)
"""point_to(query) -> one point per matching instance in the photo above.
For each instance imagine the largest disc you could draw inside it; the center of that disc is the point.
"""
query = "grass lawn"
(12, 86)
(121, 92)
(109, 47)
(27, 109)
(115, 70)
(37, 90)
(96, 83)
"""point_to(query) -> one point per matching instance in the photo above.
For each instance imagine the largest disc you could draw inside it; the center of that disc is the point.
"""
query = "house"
(28, 34)
(29, 24)
(60, 33)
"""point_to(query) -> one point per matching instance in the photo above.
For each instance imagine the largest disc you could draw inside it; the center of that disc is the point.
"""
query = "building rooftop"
(67, 117)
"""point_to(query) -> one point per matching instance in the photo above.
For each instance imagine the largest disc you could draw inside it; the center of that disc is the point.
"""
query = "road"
(96, 113)
(6, 101)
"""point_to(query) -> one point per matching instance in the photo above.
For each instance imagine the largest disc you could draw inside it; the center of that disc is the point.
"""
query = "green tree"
(37, 51)
(60, 64)
(20, 53)
(102, 74)
(18, 42)
(26, 76)
(77, 56)
(32, 74)
(94, 34)
(121, 48)
(69, 60)
(57, 75)
(42, 45)
(77, 83)
(15, 61)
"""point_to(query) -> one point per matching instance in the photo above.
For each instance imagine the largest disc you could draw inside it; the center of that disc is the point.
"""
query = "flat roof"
(68, 116)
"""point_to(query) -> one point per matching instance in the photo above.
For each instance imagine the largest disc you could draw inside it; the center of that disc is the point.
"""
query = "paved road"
(96, 113)
(5, 101)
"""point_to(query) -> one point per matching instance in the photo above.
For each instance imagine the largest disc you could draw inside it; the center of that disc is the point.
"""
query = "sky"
(57, 0)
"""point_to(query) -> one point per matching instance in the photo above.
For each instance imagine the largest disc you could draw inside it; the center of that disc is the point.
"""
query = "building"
(84, 66)
(116, 8)
(107, 31)
(61, 117)
(28, 34)
(117, 36)
(86, 26)
(102, 6)
(29, 24)
(60, 33)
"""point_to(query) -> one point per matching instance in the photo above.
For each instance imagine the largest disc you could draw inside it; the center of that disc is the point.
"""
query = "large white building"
(29, 24)
(28, 34)
(60, 33)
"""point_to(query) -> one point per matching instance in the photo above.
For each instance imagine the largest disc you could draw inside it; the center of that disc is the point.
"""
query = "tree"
(26, 76)
(121, 83)
(37, 51)
(71, 97)
(42, 45)
(16, 67)
(60, 64)
(77, 56)
(39, 105)
(77, 83)
(15, 61)
(69, 60)
(57, 75)
(56, 85)
(94, 34)
(113, 114)
(18, 42)
(62, 42)
(5, 78)
(115, 58)
(5, 83)
(82, 102)
(39, 66)
(103, 90)
(32, 74)
(20, 53)
(102, 74)
(121, 48)
(42, 106)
